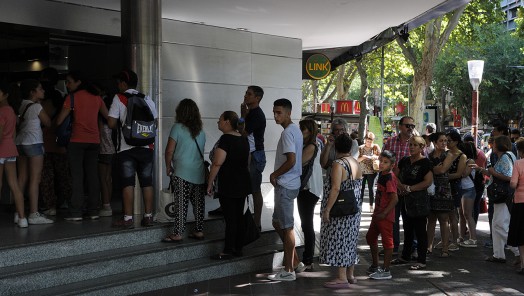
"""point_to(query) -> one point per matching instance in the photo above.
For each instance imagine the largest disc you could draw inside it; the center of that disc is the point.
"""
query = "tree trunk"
(340, 82)
(363, 99)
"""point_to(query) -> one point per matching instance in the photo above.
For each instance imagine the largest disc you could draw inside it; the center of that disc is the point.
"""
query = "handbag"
(483, 206)
(499, 191)
(251, 230)
(416, 203)
(346, 203)
(206, 164)
(65, 129)
(166, 207)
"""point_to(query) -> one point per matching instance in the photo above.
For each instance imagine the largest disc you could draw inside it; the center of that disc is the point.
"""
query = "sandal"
(418, 266)
(398, 261)
(171, 239)
(444, 255)
(194, 235)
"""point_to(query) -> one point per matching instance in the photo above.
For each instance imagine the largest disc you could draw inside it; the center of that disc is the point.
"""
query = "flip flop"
(194, 236)
(170, 240)
(444, 255)
(418, 266)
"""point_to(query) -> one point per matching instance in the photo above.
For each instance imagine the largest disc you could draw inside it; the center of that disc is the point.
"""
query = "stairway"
(125, 262)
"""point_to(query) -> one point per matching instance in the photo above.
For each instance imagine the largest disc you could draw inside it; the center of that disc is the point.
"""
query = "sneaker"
(129, 224)
(93, 217)
(282, 276)
(50, 212)
(73, 218)
(381, 275)
(37, 218)
(105, 212)
(147, 221)
(22, 223)
(453, 247)
(371, 270)
(438, 246)
(300, 268)
(470, 243)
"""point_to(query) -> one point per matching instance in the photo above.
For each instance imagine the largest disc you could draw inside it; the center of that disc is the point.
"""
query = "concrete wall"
(214, 66)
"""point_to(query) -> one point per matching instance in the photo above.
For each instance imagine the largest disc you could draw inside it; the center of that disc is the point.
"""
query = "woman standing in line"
(30, 144)
(414, 177)
(368, 153)
(230, 167)
(185, 165)
(516, 224)
(339, 235)
(468, 194)
(8, 152)
(311, 188)
(84, 145)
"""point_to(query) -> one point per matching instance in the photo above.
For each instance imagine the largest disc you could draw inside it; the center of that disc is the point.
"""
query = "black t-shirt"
(233, 177)
(413, 173)
(256, 126)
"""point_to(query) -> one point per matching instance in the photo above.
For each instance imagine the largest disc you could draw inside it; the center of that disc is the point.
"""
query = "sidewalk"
(464, 273)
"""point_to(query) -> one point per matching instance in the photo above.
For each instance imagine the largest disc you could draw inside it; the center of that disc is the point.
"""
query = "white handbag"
(165, 211)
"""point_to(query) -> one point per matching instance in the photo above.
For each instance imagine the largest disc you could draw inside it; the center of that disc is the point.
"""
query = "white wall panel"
(277, 46)
(199, 64)
(205, 36)
(277, 72)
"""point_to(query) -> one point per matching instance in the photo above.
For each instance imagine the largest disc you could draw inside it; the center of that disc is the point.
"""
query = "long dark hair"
(13, 92)
(311, 126)
(188, 114)
(85, 84)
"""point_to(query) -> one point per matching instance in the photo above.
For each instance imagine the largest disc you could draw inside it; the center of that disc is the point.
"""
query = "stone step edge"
(143, 275)
(110, 254)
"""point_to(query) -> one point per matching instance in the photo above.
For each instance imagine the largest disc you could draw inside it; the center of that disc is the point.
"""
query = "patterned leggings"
(55, 186)
(185, 192)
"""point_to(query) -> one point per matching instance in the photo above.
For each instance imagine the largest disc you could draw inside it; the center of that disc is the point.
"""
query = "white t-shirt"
(30, 128)
(315, 182)
(291, 141)
(119, 111)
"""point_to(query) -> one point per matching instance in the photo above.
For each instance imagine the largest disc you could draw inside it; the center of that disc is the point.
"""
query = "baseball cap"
(128, 77)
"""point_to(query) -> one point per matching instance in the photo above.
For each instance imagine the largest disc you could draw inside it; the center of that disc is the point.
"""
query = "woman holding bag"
(339, 235)
(230, 168)
(368, 154)
(185, 166)
(414, 177)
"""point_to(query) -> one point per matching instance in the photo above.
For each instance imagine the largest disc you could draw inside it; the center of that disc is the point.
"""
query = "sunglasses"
(411, 126)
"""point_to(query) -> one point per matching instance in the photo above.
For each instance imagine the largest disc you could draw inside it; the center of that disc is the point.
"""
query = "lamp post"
(475, 69)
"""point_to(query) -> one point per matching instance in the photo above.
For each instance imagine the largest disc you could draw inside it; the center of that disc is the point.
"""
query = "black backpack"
(139, 128)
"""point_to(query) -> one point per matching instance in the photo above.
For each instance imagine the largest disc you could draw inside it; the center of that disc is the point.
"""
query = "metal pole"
(142, 38)
(382, 90)
(474, 115)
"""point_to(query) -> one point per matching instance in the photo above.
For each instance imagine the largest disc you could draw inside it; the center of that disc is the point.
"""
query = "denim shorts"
(7, 159)
(30, 150)
(138, 161)
(470, 193)
(256, 167)
(284, 206)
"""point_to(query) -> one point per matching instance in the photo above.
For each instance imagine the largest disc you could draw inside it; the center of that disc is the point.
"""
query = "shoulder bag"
(346, 203)
(499, 191)
(205, 162)
(417, 203)
(65, 129)
(251, 231)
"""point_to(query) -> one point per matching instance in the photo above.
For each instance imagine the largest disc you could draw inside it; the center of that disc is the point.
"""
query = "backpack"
(139, 128)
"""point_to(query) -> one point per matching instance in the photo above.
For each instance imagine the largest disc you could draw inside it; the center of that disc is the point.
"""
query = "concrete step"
(171, 275)
(68, 269)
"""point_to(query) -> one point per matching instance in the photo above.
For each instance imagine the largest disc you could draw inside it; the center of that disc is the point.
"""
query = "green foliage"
(501, 90)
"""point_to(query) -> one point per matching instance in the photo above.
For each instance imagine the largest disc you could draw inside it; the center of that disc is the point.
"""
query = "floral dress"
(339, 237)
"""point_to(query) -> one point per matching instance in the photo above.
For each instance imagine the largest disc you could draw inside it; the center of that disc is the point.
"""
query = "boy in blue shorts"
(383, 217)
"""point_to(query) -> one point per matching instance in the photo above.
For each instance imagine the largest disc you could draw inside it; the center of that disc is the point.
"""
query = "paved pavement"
(464, 273)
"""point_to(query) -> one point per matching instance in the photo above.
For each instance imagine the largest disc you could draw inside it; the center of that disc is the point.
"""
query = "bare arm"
(103, 111)
(428, 179)
(460, 169)
(168, 155)
(284, 168)
(324, 156)
(218, 160)
(307, 153)
(44, 118)
(62, 115)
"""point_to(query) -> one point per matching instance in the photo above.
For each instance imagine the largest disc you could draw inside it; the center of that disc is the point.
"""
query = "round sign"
(318, 66)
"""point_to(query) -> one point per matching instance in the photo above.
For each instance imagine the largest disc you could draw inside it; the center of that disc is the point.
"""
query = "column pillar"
(142, 39)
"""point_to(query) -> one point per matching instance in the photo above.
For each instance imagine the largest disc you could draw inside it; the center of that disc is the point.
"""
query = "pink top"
(7, 138)
(517, 180)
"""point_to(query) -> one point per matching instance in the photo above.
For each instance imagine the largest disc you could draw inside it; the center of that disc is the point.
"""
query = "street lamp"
(475, 69)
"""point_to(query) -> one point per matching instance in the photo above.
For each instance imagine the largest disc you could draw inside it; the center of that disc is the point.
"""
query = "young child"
(383, 217)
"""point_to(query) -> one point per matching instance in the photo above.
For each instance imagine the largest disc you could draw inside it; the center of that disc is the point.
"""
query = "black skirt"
(516, 226)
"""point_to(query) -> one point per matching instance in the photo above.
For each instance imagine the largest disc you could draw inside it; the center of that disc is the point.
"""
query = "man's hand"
(273, 180)
(244, 110)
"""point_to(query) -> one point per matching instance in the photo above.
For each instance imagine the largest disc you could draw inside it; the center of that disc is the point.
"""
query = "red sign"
(325, 108)
(399, 108)
(348, 107)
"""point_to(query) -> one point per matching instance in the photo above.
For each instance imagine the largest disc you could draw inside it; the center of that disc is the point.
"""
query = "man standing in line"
(399, 146)
(328, 154)
(255, 126)
(132, 159)
(286, 180)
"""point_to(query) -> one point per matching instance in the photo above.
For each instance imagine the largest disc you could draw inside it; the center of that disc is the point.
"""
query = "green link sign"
(318, 66)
